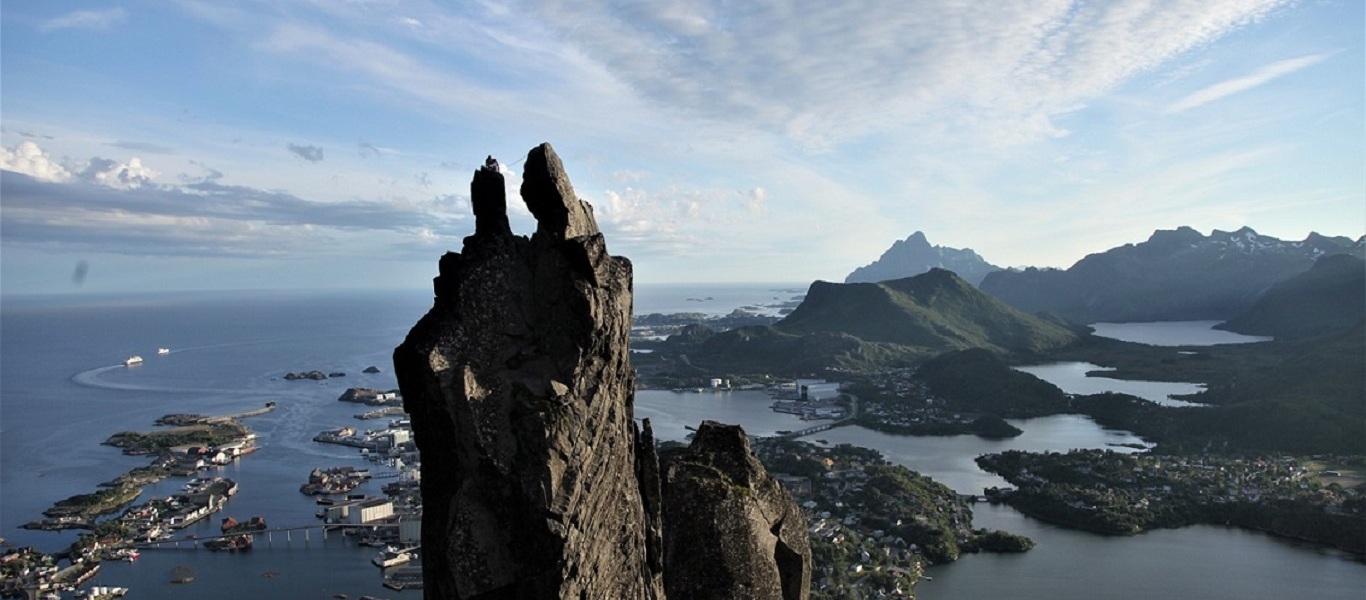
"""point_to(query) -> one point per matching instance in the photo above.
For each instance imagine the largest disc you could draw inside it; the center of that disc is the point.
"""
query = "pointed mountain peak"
(915, 255)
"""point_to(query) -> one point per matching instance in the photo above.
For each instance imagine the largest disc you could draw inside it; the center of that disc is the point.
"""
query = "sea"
(64, 389)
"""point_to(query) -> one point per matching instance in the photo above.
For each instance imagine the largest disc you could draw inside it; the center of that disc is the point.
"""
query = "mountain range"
(1176, 275)
(914, 255)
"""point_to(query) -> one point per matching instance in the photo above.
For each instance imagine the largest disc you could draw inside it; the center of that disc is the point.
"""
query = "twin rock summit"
(536, 480)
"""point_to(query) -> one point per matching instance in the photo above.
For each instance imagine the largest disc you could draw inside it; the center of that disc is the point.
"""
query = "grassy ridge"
(937, 311)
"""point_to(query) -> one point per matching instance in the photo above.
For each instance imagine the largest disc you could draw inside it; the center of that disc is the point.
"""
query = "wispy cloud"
(306, 152)
(147, 147)
(841, 70)
(1262, 76)
(85, 19)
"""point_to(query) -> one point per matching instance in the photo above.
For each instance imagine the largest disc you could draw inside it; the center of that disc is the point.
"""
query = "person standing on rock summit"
(491, 163)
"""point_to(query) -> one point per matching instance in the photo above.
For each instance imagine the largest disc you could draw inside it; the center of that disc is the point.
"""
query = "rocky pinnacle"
(536, 480)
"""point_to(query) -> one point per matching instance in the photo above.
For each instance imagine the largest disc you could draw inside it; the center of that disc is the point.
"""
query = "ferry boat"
(163, 351)
(132, 360)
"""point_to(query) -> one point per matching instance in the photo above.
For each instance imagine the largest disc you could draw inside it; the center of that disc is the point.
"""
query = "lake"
(1073, 378)
(1174, 333)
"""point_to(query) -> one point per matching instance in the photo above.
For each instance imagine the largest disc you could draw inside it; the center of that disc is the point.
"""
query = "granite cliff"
(537, 482)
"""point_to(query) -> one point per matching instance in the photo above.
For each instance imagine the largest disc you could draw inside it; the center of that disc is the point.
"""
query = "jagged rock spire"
(520, 389)
(536, 482)
(560, 215)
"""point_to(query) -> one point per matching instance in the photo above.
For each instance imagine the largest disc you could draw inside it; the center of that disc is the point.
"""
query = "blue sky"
(187, 144)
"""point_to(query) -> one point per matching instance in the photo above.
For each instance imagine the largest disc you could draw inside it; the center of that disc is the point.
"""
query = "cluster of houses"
(157, 518)
(1142, 480)
(881, 563)
(199, 458)
(337, 480)
(398, 433)
(392, 519)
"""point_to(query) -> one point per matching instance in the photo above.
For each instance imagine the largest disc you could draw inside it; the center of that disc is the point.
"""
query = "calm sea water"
(62, 391)
(713, 299)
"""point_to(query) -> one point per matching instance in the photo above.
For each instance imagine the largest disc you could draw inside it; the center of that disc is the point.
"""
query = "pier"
(270, 406)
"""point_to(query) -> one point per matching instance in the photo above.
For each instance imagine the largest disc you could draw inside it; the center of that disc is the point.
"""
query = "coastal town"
(873, 526)
(116, 527)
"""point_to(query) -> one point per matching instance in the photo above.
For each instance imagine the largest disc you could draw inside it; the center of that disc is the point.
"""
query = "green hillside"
(869, 326)
(977, 380)
(936, 311)
(1315, 402)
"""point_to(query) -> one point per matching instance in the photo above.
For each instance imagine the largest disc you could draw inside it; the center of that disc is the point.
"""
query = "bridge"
(847, 420)
(288, 532)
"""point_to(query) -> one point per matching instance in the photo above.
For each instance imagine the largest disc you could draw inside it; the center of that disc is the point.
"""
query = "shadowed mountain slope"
(1329, 297)
(1175, 275)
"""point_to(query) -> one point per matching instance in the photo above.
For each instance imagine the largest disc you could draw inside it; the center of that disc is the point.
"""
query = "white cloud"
(1233, 86)
(427, 237)
(121, 176)
(85, 19)
(835, 71)
(29, 159)
(755, 200)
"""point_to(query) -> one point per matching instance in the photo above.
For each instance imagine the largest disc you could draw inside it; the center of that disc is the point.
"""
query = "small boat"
(163, 351)
(132, 360)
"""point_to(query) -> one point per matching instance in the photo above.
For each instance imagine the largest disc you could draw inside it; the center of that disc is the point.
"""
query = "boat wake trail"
(91, 379)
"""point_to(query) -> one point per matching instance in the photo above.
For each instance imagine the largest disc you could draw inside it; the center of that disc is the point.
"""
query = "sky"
(195, 144)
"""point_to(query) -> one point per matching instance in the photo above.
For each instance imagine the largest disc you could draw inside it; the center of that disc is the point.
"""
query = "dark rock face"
(520, 389)
(536, 482)
(732, 531)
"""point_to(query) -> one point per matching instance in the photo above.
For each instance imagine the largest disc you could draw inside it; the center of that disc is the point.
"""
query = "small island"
(874, 525)
(1123, 494)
